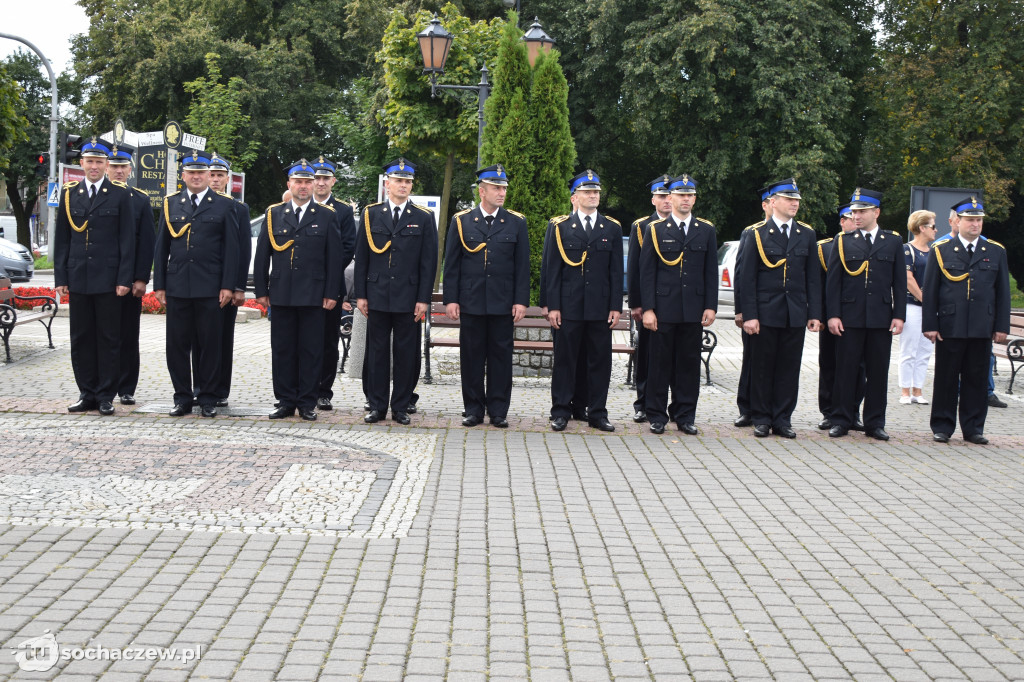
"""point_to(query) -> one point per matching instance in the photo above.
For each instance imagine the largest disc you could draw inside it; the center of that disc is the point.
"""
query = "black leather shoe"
(127, 399)
(977, 439)
(658, 428)
(209, 411)
(940, 437)
(372, 417)
(401, 417)
(366, 405)
(308, 414)
(106, 408)
(602, 425)
(877, 434)
(689, 429)
(324, 404)
(784, 431)
(559, 423)
(838, 431)
(223, 402)
(411, 408)
(762, 430)
(82, 406)
(825, 424)
(180, 410)
(471, 420)
(857, 426)
(500, 422)
(639, 416)
(282, 412)
(743, 420)
(994, 401)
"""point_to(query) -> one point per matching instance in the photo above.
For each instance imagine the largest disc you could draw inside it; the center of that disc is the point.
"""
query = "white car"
(727, 272)
(255, 225)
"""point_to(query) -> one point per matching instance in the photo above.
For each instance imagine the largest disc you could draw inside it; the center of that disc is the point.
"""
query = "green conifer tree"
(511, 74)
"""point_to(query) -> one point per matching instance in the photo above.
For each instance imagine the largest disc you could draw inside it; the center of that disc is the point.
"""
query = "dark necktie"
(489, 219)
(195, 201)
(298, 214)
(785, 231)
(92, 193)
(398, 215)
(867, 238)
(970, 250)
(586, 226)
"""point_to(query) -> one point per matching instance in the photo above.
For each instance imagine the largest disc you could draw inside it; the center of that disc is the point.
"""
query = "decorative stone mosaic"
(197, 476)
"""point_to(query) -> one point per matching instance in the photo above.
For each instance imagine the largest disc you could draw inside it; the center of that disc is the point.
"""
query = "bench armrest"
(50, 305)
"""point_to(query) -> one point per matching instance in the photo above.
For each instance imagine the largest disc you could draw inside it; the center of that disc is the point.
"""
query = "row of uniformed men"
(104, 251)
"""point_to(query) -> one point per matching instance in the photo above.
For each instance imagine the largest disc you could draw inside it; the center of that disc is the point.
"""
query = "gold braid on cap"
(952, 278)
(270, 233)
(170, 228)
(458, 221)
(67, 209)
(654, 240)
(561, 250)
(842, 259)
(764, 258)
(369, 235)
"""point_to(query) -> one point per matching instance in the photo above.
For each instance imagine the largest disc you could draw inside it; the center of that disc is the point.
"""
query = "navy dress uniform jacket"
(244, 242)
(680, 293)
(737, 274)
(203, 259)
(494, 278)
(347, 237)
(873, 304)
(145, 235)
(591, 290)
(636, 242)
(307, 269)
(403, 275)
(788, 295)
(979, 304)
(101, 257)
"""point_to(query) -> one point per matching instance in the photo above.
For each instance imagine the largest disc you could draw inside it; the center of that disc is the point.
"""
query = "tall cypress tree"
(511, 74)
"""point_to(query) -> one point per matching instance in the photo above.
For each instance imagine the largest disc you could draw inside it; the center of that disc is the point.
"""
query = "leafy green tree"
(444, 127)
(217, 114)
(12, 122)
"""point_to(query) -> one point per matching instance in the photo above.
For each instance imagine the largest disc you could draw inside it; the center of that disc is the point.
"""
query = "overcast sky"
(48, 24)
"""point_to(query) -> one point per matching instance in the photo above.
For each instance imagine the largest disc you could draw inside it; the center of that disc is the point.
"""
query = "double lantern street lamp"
(435, 42)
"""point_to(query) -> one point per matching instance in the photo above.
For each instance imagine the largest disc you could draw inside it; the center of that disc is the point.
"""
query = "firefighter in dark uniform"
(966, 307)
(662, 202)
(119, 169)
(220, 182)
(298, 271)
(781, 295)
(743, 388)
(679, 284)
(866, 302)
(487, 287)
(323, 181)
(93, 263)
(195, 272)
(583, 276)
(827, 342)
(396, 260)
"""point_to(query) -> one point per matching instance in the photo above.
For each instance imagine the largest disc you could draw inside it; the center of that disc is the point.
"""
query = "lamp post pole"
(482, 89)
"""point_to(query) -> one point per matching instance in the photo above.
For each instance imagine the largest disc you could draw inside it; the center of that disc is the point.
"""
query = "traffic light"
(67, 147)
(42, 164)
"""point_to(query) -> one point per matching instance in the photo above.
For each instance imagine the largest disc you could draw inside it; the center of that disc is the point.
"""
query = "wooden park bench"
(11, 317)
(534, 319)
(1013, 349)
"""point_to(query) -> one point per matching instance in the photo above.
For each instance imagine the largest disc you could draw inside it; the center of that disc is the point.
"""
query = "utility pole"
(50, 211)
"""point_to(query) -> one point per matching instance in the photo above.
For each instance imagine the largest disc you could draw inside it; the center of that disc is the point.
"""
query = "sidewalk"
(336, 550)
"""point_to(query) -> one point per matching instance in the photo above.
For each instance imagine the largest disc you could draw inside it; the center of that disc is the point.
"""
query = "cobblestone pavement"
(333, 550)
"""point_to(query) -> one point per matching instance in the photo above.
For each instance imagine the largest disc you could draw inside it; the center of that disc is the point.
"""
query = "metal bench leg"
(427, 378)
(1013, 375)
(7, 344)
(629, 373)
(707, 370)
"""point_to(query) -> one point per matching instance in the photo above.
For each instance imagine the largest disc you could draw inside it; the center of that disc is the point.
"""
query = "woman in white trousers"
(915, 349)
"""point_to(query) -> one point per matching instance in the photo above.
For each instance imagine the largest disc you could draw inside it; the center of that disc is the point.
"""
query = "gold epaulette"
(613, 220)
(115, 183)
(369, 206)
(461, 213)
(558, 219)
(425, 210)
(993, 241)
(706, 221)
(516, 213)
(69, 185)
(800, 222)
(755, 225)
(225, 194)
(636, 223)
(327, 206)
(826, 240)
(897, 234)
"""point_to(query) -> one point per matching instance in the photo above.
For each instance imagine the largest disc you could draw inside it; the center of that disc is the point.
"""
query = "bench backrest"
(6, 290)
(1016, 325)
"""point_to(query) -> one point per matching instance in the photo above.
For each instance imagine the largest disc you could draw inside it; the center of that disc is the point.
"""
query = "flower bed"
(35, 291)
(251, 303)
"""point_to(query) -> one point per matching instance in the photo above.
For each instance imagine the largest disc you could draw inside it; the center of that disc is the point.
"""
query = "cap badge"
(195, 154)
(401, 164)
(590, 175)
(686, 179)
(500, 170)
(94, 139)
(115, 149)
(974, 202)
(856, 194)
(321, 158)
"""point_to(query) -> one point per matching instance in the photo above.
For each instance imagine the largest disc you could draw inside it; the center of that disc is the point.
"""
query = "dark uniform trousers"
(866, 304)
(584, 295)
(222, 389)
(392, 282)
(743, 389)
(578, 404)
(827, 349)
(131, 306)
(966, 314)
(641, 354)
(193, 268)
(487, 272)
(92, 263)
(332, 318)
(678, 295)
(783, 300)
(298, 268)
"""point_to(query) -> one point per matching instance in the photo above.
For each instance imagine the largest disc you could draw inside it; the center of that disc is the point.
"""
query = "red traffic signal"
(42, 163)
(67, 147)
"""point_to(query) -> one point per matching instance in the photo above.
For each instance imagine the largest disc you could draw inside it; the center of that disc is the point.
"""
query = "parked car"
(16, 260)
(727, 272)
